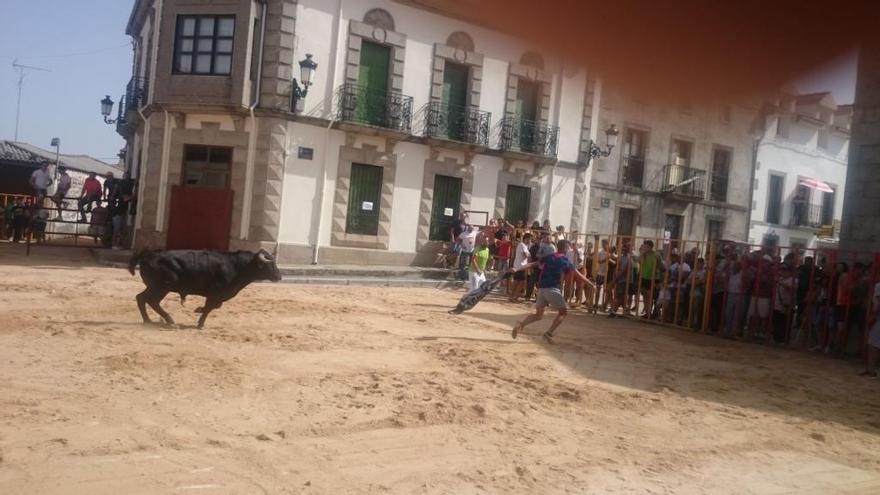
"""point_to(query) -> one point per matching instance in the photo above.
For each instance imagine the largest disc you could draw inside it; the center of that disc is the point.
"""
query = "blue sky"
(83, 43)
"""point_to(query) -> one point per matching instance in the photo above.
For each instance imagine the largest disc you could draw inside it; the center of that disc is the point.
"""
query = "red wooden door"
(200, 218)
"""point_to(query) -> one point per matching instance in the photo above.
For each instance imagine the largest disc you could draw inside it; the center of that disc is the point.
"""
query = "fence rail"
(528, 136)
(386, 109)
(457, 123)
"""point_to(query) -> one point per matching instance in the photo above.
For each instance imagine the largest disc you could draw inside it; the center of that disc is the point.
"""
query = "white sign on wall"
(367, 206)
(447, 212)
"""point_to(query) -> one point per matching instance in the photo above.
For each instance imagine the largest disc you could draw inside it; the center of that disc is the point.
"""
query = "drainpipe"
(755, 146)
(247, 199)
(323, 182)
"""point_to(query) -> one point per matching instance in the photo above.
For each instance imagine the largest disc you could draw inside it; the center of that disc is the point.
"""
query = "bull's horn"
(263, 256)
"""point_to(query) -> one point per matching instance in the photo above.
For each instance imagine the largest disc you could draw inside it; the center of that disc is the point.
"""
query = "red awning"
(817, 185)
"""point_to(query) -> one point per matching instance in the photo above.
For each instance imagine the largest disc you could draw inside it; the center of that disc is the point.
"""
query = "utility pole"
(21, 70)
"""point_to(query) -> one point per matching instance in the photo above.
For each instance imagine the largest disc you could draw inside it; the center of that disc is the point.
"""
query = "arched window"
(379, 18)
(532, 59)
(462, 40)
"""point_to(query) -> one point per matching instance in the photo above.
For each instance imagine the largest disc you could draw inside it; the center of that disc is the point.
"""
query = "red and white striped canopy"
(817, 185)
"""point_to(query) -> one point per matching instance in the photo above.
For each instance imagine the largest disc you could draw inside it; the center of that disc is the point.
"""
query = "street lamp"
(107, 109)
(56, 142)
(307, 68)
(610, 142)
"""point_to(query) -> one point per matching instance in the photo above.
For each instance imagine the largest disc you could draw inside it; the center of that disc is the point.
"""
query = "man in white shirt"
(467, 240)
(601, 274)
(520, 259)
(40, 181)
(874, 337)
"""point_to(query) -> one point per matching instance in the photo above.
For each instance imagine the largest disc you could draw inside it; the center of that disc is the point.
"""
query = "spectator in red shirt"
(503, 252)
(91, 192)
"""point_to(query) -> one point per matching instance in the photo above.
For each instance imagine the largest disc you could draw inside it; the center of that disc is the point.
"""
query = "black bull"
(216, 276)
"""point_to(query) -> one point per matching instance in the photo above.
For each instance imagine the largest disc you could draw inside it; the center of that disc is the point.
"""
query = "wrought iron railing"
(718, 188)
(528, 136)
(121, 121)
(378, 108)
(804, 214)
(633, 172)
(135, 94)
(683, 181)
(457, 123)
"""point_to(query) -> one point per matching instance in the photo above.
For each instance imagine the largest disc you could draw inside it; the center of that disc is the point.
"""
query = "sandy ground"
(314, 390)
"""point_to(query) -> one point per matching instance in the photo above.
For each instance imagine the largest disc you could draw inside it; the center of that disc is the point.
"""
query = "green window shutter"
(774, 200)
(517, 204)
(446, 207)
(364, 197)
(373, 80)
(527, 112)
(455, 84)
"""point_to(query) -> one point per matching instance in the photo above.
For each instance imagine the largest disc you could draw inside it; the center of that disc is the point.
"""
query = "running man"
(549, 292)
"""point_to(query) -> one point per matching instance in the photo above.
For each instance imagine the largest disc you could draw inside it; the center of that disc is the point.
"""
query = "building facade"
(800, 172)
(412, 117)
(679, 171)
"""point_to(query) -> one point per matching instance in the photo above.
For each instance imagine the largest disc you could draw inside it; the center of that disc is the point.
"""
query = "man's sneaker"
(612, 315)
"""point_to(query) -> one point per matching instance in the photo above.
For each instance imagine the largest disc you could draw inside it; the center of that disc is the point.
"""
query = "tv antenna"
(21, 68)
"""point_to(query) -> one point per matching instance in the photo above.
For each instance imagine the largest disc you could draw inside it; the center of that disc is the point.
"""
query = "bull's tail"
(136, 259)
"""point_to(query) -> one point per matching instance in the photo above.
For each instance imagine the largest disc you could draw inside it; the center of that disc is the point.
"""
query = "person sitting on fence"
(98, 223)
(61, 190)
(91, 193)
(41, 180)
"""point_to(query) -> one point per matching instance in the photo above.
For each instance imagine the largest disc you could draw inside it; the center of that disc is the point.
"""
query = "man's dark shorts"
(519, 275)
(600, 280)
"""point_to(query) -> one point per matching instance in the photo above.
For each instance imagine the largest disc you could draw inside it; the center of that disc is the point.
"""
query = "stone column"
(860, 228)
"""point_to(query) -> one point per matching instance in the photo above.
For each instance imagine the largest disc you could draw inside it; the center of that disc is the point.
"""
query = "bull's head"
(268, 270)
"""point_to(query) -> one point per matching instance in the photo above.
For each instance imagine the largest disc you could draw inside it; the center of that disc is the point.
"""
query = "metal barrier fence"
(35, 224)
(815, 298)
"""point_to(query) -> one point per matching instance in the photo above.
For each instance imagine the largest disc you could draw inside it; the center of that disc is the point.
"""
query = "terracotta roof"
(24, 152)
(9, 151)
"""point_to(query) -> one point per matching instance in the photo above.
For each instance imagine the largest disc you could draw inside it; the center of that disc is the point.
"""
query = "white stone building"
(802, 154)
(680, 170)
(413, 116)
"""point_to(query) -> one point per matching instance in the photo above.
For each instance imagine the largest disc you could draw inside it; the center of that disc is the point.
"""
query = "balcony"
(806, 215)
(633, 172)
(527, 136)
(361, 105)
(683, 181)
(135, 94)
(455, 123)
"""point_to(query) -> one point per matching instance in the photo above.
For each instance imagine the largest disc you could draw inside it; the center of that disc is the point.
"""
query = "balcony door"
(526, 114)
(455, 83)
(446, 207)
(517, 204)
(372, 104)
